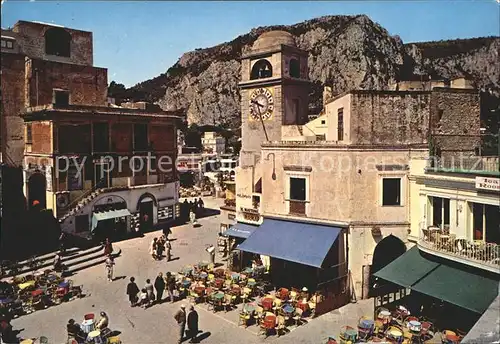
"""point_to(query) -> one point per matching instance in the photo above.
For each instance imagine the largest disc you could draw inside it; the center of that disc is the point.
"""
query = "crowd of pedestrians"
(191, 210)
(146, 298)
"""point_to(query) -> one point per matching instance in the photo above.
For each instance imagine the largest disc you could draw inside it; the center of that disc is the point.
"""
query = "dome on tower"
(272, 39)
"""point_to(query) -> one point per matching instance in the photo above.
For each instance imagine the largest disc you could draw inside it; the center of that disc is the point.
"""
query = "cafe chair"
(211, 306)
(298, 316)
(267, 325)
(283, 294)
(244, 319)
(276, 305)
(258, 315)
(280, 326)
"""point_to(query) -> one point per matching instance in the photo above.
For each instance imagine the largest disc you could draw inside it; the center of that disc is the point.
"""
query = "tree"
(117, 91)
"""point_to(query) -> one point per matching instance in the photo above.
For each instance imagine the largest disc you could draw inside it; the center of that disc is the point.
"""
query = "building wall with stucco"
(343, 188)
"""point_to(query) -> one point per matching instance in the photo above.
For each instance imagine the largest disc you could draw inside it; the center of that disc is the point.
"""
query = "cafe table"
(235, 276)
(203, 275)
(203, 265)
(249, 308)
(288, 309)
(25, 285)
(251, 284)
(218, 295)
(6, 301)
(187, 270)
(248, 271)
(186, 283)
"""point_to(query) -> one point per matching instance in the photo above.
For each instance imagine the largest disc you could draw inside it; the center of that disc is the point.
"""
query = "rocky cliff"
(345, 52)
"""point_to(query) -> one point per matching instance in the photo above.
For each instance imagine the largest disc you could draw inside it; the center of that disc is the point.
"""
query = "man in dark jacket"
(170, 286)
(192, 323)
(180, 317)
(159, 286)
(132, 291)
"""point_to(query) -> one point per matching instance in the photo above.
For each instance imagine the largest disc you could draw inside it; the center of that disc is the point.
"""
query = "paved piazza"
(156, 324)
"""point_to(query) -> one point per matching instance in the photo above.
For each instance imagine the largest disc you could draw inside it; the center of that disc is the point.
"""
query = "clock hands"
(257, 103)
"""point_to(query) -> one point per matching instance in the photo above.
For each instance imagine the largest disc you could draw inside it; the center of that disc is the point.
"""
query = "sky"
(137, 41)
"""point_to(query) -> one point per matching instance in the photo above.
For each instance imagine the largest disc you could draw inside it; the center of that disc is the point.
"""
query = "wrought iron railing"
(465, 164)
(487, 254)
(297, 207)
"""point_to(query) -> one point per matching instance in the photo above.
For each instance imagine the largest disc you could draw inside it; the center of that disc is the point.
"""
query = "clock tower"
(274, 91)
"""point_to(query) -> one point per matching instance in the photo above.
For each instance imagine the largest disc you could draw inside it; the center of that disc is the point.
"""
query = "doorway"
(36, 191)
(146, 207)
(386, 251)
(102, 177)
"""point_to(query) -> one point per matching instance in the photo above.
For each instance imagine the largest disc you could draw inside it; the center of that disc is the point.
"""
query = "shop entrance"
(146, 211)
(386, 251)
(36, 191)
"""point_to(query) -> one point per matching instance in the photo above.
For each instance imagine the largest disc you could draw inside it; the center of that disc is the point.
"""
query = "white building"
(213, 144)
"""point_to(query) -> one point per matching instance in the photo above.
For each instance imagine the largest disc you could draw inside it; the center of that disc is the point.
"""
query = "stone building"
(343, 178)
(213, 144)
(61, 128)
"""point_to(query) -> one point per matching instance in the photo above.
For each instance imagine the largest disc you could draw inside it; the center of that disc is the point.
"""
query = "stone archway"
(147, 205)
(386, 251)
(37, 191)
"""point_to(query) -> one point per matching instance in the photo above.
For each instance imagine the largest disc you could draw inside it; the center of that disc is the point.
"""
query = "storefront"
(434, 287)
(229, 240)
(110, 224)
(304, 255)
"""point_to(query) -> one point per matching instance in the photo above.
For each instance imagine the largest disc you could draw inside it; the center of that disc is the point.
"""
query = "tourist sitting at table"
(103, 322)
(75, 331)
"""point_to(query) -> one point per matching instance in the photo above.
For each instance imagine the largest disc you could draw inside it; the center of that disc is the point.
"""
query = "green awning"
(456, 285)
(108, 215)
(407, 269)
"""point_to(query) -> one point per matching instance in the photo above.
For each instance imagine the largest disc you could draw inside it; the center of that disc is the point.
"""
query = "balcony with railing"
(476, 253)
(297, 207)
(487, 165)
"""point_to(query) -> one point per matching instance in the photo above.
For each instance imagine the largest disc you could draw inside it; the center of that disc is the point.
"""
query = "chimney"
(327, 94)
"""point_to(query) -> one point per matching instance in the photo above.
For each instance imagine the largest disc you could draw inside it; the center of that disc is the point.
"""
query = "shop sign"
(243, 196)
(48, 178)
(486, 183)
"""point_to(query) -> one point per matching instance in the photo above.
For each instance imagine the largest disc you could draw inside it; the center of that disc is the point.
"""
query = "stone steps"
(75, 257)
(91, 261)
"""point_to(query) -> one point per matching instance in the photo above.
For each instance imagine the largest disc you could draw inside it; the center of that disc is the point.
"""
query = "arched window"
(261, 69)
(294, 68)
(57, 42)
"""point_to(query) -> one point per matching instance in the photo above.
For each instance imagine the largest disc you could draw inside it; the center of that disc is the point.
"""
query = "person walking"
(132, 291)
(150, 291)
(108, 247)
(170, 286)
(192, 217)
(159, 286)
(167, 231)
(110, 262)
(180, 317)
(185, 210)
(192, 324)
(152, 248)
(168, 250)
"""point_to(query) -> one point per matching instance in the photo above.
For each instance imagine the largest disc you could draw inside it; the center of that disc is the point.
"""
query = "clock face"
(261, 104)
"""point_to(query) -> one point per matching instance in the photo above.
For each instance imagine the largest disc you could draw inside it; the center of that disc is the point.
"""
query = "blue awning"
(298, 242)
(240, 230)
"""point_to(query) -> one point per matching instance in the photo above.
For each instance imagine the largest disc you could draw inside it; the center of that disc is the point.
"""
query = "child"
(143, 299)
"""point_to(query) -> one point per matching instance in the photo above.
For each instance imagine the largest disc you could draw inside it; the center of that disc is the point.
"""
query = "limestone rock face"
(345, 52)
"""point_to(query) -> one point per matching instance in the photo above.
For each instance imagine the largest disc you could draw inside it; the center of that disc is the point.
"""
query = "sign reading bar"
(485, 183)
